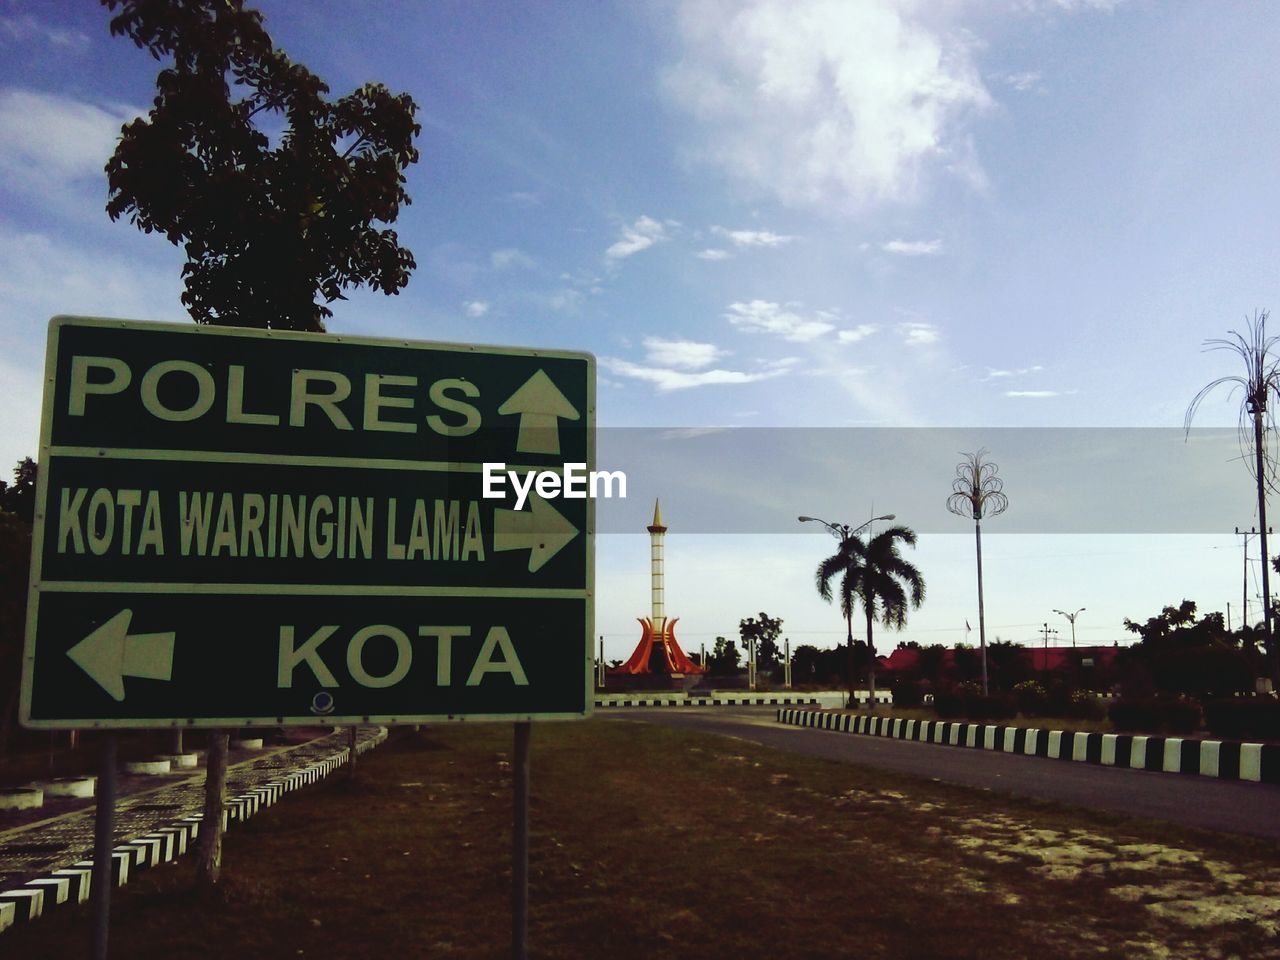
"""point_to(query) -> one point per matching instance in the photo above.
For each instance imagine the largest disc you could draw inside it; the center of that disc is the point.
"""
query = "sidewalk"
(48, 862)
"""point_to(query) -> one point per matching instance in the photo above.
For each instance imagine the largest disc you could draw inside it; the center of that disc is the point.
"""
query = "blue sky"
(762, 214)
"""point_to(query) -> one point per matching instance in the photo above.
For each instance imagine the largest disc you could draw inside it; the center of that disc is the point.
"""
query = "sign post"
(238, 527)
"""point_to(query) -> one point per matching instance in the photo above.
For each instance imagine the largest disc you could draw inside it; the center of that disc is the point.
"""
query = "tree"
(20, 498)
(1179, 653)
(1259, 383)
(764, 634)
(266, 228)
(874, 573)
(724, 657)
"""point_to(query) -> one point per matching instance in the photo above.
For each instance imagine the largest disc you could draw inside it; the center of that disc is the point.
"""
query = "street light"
(1072, 618)
(977, 493)
(844, 533)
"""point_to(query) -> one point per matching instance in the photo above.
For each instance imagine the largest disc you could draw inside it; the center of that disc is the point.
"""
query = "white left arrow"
(110, 654)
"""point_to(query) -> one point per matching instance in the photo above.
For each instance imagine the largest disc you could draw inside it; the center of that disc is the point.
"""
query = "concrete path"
(1224, 805)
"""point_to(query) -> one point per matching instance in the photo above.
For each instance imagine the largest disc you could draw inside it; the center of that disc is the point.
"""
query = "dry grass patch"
(657, 842)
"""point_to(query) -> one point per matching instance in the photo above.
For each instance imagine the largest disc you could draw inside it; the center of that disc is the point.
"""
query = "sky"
(979, 215)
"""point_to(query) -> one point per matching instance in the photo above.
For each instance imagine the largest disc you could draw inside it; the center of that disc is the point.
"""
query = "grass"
(659, 843)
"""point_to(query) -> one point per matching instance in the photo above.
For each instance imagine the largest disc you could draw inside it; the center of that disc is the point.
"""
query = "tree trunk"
(871, 665)
(209, 852)
(351, 751)
(1273, 663)
(175, 745)
(853, 700)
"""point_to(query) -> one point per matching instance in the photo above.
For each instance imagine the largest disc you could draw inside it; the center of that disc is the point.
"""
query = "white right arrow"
(541, 530)
(109, 654)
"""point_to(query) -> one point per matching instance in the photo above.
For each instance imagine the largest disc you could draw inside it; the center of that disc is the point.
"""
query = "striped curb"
(1223, 759)
(707, 702)
(748, 700)
(163, 844)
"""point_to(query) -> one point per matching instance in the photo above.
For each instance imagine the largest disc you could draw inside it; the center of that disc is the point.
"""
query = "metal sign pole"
(520, 845)
(103, 842)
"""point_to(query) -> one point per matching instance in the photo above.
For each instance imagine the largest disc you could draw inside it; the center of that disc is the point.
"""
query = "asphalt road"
(1230, 806)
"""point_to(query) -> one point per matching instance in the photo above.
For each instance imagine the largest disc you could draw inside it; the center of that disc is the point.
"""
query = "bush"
(1086, 706)
(1030, 698)
(948, 703)
(1248, 718)
(995, 707)
(907, 693)
(1178, 717)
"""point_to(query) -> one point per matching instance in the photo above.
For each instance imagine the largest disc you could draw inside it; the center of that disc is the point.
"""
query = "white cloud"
(752, 238)
(713, 253)
(683, 354)
(641, 235)
(509, 257)
(476, 308)
(918, 334)
(26, 28)
(860, 332)
(1026, 80)
(49, 142)
(1037, 394)
(1020, 372)
(912, 248)
(521, 198)
(667, 381)
(566, 300)
(824, 102)
(763, 316)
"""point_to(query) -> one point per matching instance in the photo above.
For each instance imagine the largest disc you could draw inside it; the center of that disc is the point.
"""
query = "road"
(1229, 806)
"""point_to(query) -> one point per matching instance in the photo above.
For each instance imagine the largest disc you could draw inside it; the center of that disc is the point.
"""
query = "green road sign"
(239, 527)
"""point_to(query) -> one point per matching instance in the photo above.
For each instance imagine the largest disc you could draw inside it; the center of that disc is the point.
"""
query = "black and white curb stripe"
(162, 845)
(1224, 759)
(759, 701)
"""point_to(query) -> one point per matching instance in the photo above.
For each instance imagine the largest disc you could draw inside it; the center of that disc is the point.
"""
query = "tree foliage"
(268, 223)
(724, 657)
(764, 633)
(19, 498)
(874, 573)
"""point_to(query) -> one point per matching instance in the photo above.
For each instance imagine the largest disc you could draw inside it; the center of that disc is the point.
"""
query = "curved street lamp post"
(978, 493)
(1071, 618)
(844, 533)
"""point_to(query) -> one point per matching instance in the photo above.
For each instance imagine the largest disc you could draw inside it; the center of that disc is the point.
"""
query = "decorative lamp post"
(1071, 618)
(978, 493)
(844, 533)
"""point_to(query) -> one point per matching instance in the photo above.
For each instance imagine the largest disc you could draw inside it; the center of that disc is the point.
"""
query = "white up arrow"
(541, 530)
(109, 654)
(540, 405)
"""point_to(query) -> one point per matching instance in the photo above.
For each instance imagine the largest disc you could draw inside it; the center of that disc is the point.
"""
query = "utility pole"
(1047, 631)
(1244, 588)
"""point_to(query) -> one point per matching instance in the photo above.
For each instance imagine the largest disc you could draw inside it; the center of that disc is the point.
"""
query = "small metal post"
(520, 845)
(786, 655)
(103, 843)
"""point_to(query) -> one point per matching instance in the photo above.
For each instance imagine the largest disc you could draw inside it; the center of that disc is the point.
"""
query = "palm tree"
(875, 573)
(1261, 380)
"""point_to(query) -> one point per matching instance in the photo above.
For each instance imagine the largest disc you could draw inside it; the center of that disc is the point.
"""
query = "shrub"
(1178, 717)
(907, 693)
(994, 707)
(1086, 706)
(1248, 718)
(1030, 698)
(1182, 716)
(948, 703)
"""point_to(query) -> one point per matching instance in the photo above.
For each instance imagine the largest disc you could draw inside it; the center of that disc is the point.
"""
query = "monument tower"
(658, 656)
